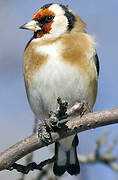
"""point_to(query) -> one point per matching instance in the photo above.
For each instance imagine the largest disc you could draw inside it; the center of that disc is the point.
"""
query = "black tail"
(66, 161)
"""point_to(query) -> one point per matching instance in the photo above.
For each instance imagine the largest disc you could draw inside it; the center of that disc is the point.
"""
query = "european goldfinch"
(60, 60)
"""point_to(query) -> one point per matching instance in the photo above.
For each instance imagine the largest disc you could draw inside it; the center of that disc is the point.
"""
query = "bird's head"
(51, 21)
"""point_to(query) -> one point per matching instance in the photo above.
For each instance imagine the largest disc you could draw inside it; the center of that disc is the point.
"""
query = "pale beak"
(32, 25)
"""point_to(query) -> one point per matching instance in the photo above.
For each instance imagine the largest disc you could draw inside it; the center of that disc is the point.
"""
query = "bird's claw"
(44, 131)
(44, 134)
(85, 108)
(53, 121)
(52, 124)
(62, 109)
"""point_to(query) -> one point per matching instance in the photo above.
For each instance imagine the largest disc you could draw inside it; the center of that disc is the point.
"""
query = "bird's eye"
(49, 18)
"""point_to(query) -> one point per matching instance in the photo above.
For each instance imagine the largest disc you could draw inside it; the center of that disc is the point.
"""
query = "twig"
(79, 124)
(95, 157)
(32, 166)
(106, 157)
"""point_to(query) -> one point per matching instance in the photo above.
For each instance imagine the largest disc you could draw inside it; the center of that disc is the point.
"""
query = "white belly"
(56, 79)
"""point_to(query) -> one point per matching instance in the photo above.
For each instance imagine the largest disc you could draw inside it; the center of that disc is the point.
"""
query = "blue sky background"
(16, 118)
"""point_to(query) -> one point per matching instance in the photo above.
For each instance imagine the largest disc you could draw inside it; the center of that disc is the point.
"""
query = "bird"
(60, 60)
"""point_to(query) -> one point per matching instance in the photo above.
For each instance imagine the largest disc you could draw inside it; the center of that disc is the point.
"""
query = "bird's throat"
(38, 34)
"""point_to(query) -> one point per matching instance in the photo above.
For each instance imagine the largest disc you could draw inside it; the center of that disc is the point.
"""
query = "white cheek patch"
(57, 9)
(59, 25)
(60, 22)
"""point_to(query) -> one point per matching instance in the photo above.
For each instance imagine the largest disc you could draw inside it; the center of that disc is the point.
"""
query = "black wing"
(97, 63)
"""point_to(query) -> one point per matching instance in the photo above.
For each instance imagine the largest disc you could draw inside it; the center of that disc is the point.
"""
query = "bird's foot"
(62, 109)
(44, 133)
(85, 108)
(49, 125)
(53, 121)
(52, 124)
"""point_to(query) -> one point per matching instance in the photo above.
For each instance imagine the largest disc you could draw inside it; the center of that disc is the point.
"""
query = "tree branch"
(95, 157)
(76, 125)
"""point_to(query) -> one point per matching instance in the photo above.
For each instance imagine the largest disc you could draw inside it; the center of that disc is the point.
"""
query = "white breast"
(56, 79)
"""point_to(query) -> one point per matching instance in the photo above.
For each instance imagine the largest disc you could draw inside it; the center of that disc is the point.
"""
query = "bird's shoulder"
(78, 47)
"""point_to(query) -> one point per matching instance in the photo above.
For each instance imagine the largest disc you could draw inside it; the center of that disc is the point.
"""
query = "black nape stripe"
(70, 17)
(68, 14)
(71, 20)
